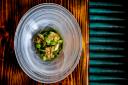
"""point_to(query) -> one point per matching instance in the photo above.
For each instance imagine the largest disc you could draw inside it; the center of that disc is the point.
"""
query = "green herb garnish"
(48, 44)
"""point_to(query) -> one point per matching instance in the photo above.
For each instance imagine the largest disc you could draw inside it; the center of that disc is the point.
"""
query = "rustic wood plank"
(10, 13)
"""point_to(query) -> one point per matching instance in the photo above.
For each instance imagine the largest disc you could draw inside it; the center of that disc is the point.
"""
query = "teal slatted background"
(108, 42)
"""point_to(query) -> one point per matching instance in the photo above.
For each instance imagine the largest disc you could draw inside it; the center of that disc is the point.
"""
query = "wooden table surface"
(11, 12)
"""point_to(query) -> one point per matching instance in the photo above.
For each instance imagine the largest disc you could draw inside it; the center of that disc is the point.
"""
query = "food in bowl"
(48, 44)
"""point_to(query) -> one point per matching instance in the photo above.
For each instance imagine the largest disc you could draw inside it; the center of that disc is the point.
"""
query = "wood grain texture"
(11, 12)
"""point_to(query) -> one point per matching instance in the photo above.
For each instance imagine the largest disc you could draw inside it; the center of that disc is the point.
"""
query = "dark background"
(113, 66)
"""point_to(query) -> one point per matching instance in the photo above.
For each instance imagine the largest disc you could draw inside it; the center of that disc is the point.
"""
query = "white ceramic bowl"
(36, 19)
